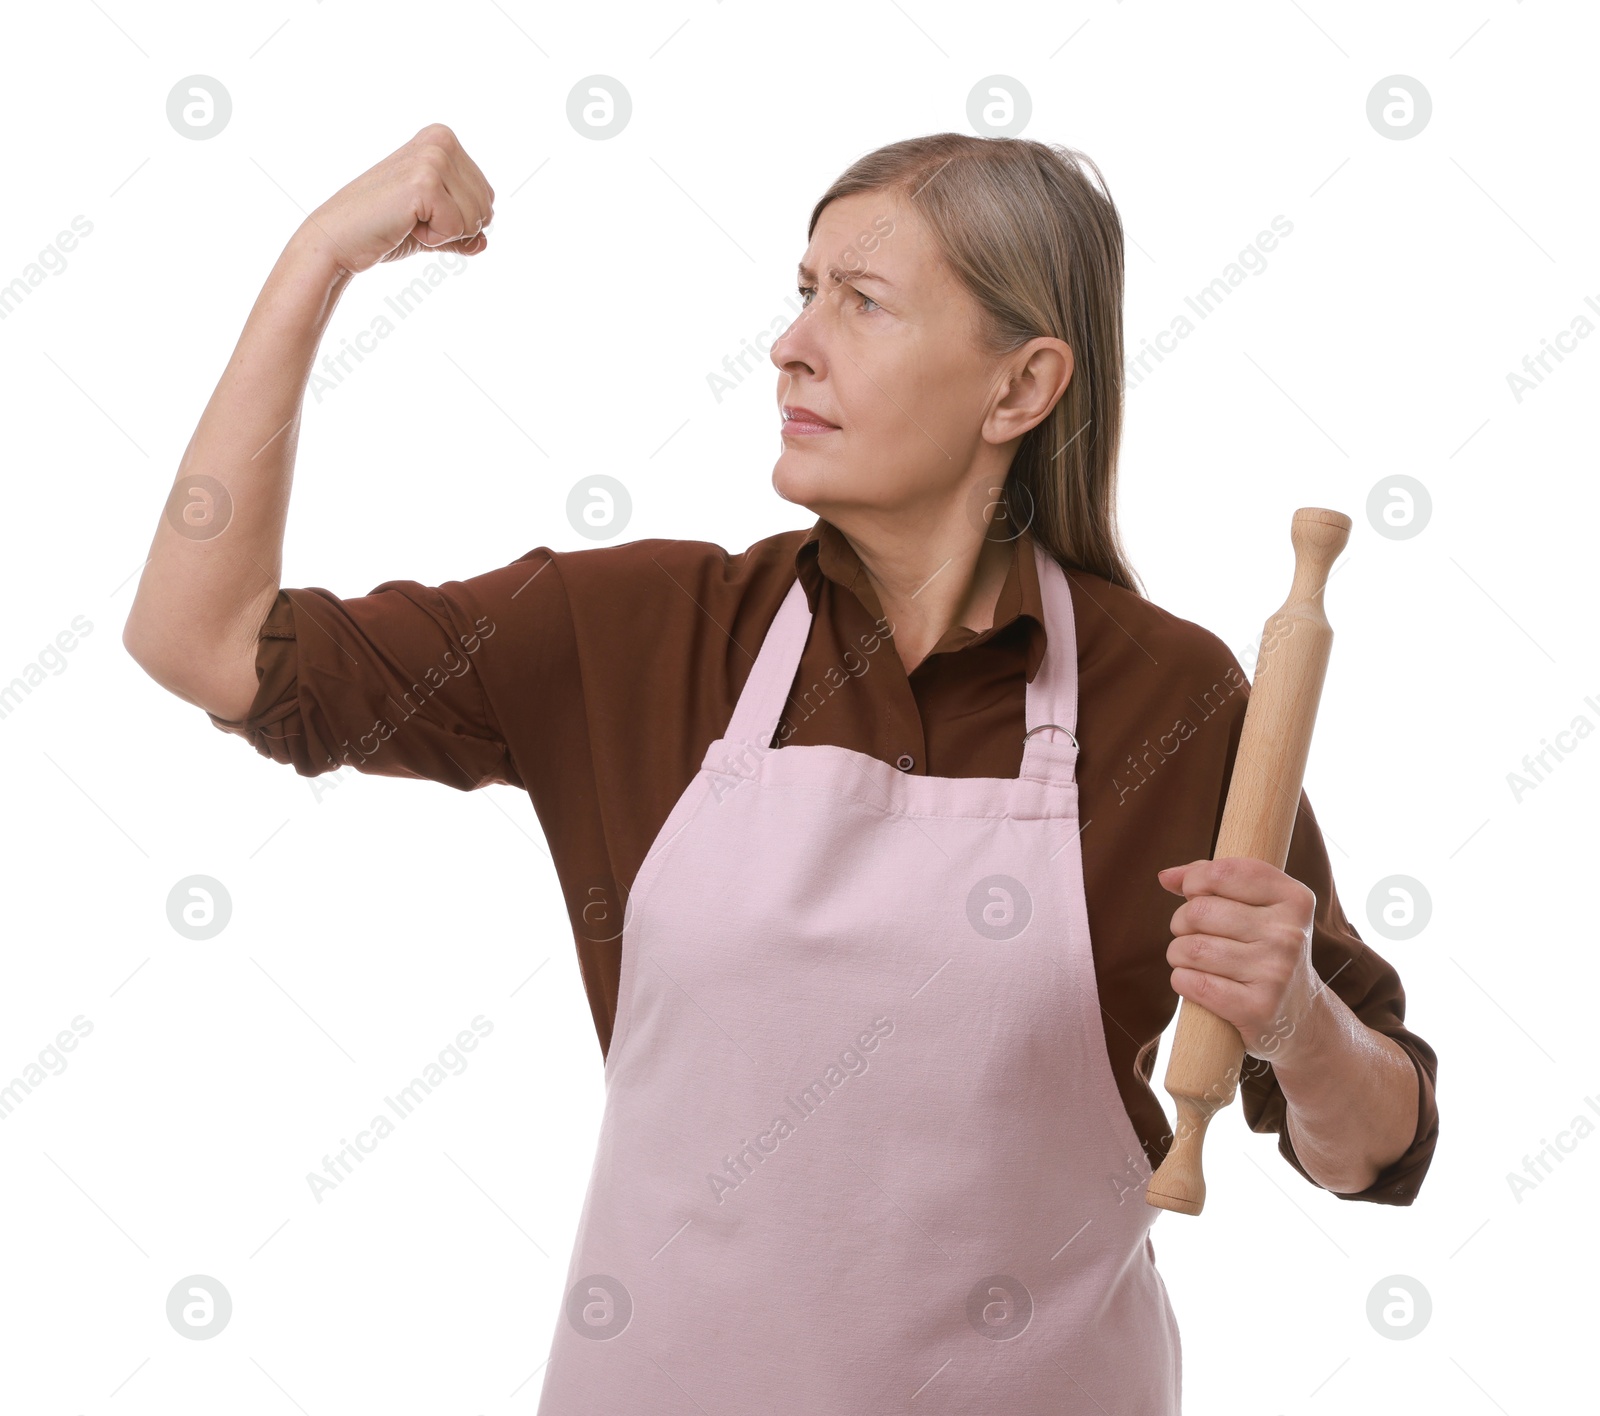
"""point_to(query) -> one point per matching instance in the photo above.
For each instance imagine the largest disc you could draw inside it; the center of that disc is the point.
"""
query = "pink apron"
(862, 1151)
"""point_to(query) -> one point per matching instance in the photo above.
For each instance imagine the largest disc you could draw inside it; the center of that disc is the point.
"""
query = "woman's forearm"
(1351, 1094)
(206, 588)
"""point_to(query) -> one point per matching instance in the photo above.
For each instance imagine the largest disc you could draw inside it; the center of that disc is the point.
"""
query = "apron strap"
(1052, 695)
(761, 701)
(1049, 755)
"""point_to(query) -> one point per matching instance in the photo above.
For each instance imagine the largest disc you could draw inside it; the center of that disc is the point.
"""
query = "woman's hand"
(427, 195)
(1242, 947)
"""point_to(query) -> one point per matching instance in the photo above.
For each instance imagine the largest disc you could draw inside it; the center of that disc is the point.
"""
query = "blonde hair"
(1039, 245)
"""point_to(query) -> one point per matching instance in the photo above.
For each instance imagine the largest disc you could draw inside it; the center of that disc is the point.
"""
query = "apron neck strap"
(766, 692)
(1052, 696)
(1053, 691)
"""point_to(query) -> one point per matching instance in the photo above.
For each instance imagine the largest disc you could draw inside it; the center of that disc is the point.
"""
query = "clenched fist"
(427, 195)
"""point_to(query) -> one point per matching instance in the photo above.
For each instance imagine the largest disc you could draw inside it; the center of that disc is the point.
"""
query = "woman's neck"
(928, 584)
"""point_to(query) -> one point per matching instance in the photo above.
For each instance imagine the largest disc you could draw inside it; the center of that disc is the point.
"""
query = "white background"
(373, 922)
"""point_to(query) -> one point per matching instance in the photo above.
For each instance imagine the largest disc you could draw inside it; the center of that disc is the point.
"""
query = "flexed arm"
(215, 563)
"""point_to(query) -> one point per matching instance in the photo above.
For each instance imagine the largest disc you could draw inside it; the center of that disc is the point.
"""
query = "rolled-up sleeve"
(389, 683)
(1371, 988)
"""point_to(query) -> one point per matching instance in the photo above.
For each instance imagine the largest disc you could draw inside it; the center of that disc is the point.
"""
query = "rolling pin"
(1257, 821)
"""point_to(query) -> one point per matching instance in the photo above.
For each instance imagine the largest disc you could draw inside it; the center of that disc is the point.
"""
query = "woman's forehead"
(869, 235)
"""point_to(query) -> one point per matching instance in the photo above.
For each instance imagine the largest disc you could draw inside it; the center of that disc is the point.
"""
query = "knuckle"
(426, 180)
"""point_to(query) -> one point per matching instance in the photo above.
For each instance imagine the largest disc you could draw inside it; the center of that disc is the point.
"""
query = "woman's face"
(886, 350)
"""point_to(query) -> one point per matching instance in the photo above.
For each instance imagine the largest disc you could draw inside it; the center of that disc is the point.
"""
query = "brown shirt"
(595, 679)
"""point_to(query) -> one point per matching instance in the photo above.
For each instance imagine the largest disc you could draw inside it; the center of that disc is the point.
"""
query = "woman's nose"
(799, 342)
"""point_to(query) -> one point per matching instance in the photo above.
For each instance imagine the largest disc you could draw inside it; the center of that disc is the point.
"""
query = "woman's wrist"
(1350, 1094)
(313, 255)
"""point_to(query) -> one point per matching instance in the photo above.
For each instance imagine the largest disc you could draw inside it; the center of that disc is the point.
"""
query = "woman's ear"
(1039, 374)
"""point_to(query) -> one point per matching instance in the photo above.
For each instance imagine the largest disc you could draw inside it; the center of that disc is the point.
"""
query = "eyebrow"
(806, 273)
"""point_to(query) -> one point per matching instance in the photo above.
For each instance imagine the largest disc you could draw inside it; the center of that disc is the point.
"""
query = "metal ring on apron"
(1043, 726)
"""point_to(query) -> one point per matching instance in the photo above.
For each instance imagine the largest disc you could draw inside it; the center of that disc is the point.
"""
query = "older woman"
(870, 833)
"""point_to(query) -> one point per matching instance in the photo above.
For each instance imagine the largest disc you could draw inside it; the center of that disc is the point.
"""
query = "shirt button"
(905, 762)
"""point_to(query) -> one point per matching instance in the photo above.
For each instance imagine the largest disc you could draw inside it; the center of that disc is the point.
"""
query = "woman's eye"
(809, 290)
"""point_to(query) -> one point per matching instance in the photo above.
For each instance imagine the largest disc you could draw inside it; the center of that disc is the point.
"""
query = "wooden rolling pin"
(1257, 821)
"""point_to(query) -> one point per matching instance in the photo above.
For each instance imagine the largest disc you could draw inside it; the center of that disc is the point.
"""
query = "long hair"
(1039, 245)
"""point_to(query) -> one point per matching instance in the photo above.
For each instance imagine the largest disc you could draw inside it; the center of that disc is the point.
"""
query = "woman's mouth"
(804, 423)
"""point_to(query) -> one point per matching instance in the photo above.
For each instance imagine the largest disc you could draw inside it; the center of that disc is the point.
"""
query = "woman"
(899, 806)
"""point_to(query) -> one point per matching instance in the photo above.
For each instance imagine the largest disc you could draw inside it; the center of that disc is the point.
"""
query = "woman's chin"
(797, 478)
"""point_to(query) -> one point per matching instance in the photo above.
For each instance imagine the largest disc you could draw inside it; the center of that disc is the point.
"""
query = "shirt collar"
(825, 551)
